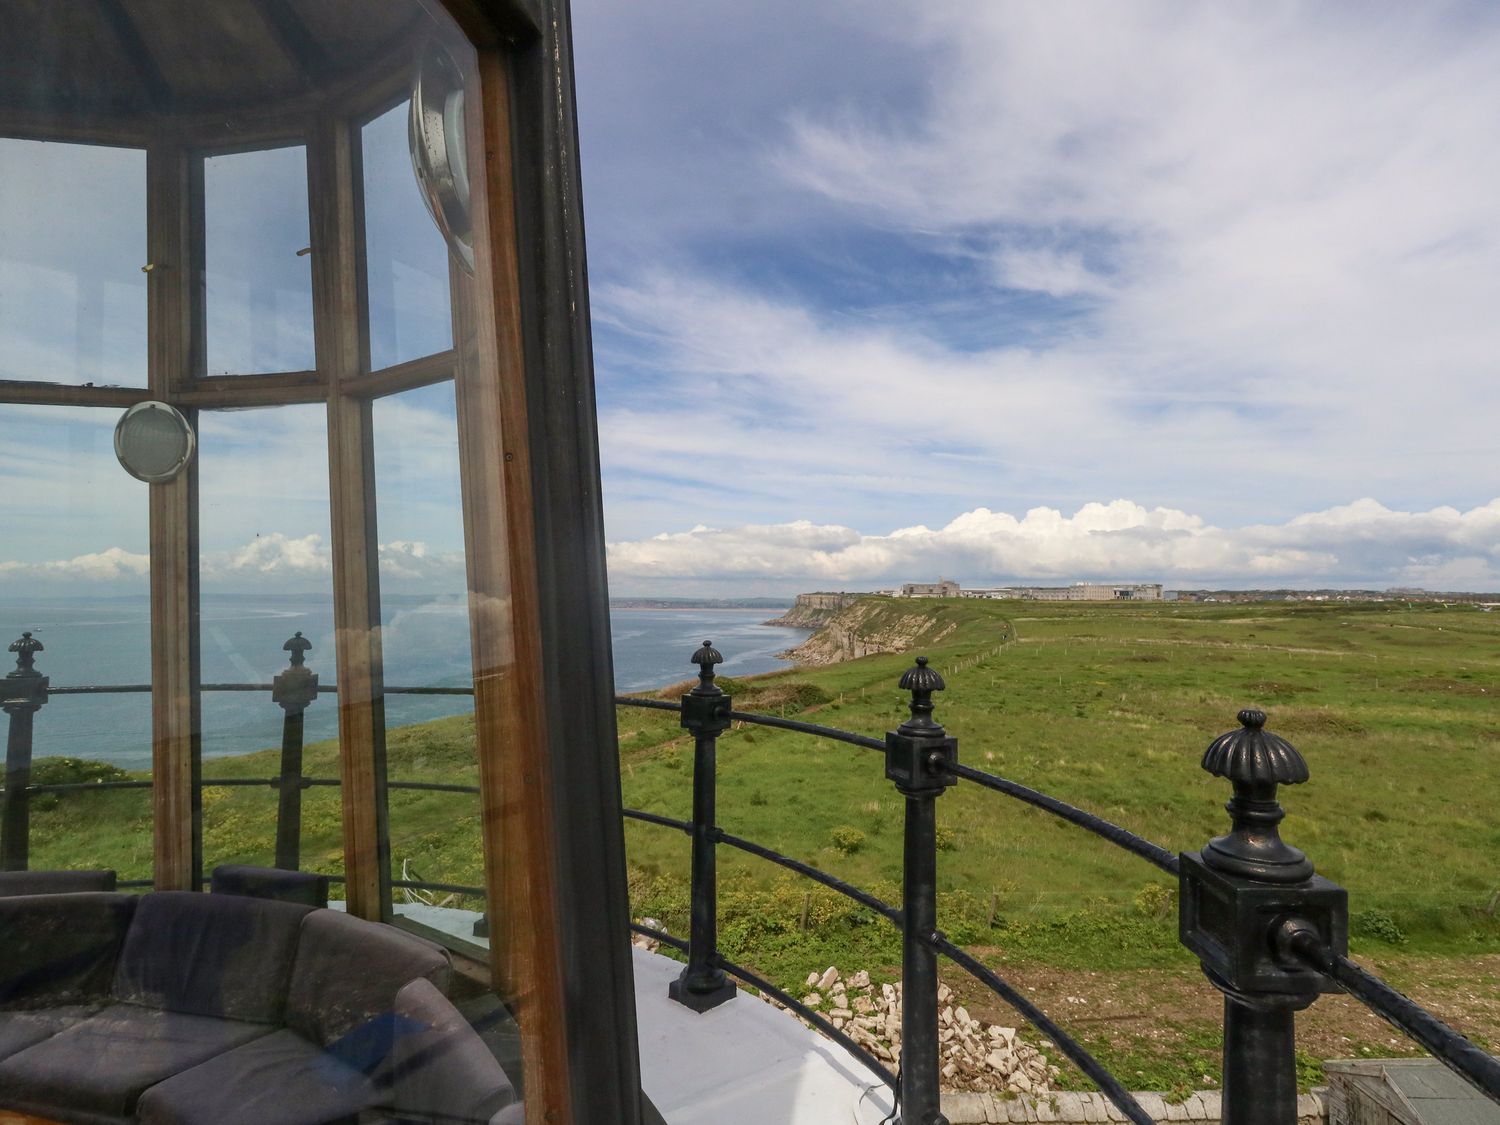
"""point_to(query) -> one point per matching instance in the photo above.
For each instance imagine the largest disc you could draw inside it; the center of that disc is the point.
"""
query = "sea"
(107, 642)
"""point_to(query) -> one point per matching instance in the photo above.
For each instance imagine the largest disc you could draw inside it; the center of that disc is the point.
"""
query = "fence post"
(917, 755)
(1238, 898)
(294, 689)
(705, 712)
(22, 694)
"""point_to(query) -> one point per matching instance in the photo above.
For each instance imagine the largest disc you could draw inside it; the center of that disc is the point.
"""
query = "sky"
(1200, 294)
(1206, 295)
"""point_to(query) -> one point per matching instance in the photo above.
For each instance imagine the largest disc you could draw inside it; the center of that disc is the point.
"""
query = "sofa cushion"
(441, 1070)
(210, 955)
(345, 979)
(61, 949)
(19, 1030)
(54, 882)
(280, 1078)
(270, 882)
(103, 1064)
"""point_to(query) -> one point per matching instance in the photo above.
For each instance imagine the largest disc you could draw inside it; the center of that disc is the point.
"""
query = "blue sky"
(1209, 291)
(1199, 294)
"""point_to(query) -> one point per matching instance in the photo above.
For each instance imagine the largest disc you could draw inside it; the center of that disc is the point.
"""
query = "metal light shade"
(154, 442)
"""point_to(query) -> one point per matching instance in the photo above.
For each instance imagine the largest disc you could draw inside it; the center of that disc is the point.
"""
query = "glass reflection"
(72, 244)
(257, 265)
(408, 259)
(73, 572)
(425, 641)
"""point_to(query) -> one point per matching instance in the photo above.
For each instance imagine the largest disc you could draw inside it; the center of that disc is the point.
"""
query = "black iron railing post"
(294, 689)
(1241, 897)
(22, 694)
(917, 758)
(705, 712)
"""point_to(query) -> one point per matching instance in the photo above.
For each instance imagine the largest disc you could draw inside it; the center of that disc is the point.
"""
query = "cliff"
(812, 611)
(871, 624)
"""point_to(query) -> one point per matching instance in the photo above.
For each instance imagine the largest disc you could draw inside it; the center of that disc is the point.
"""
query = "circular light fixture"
(439, 154)
(153, 442)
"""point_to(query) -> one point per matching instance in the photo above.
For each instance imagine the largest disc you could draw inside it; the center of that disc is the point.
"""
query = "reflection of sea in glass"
(408, 259)
(71, 515)
(258, 287)
(72, 244)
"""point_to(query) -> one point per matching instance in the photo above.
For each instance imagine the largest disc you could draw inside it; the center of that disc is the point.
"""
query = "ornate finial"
(921, 681)
(1256, 761)
(25, 649)
(1255, 755)
(298, 646)
(706, 657)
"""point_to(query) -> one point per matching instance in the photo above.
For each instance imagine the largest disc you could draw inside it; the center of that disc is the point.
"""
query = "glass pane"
(266, 583)
(72, 244)
(74, 568)
(284, 497)
(408, 259)
(258, 275)
(435, 836)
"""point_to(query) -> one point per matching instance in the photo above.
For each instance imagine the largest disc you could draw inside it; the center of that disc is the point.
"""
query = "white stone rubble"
(974, 1056)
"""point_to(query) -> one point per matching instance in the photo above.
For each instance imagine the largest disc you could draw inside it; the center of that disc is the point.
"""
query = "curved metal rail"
(1075, 1051)
(821, 1022)
(863, 741)
(1449, 1046)
(1154, 854)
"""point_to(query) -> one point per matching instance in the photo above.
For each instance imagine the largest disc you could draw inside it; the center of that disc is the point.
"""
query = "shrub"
(946, 840)
(72, 771)
(1156, 901)
(847, 839)
(1377, 924)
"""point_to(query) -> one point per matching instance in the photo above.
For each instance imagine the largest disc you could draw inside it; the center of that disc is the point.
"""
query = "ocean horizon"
(106, 641)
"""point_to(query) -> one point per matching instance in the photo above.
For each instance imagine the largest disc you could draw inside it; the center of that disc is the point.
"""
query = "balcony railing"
(1270, 933)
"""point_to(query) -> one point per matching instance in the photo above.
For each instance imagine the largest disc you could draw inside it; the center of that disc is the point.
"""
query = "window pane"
(258, 288)
(408, 259)
(74, 567)
(72, 244)
(265, 577)
(435, 836)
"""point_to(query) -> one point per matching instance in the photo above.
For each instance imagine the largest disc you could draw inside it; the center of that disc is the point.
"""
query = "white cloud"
(112, 564)
(1363, 541)
(273, 562)
(273, 554)
(1232, 259)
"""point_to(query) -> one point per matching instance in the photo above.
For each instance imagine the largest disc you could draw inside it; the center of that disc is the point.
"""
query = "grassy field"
(1106, 706)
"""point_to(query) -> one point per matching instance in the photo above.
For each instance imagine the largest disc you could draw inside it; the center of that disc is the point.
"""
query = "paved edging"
(1070, 1106)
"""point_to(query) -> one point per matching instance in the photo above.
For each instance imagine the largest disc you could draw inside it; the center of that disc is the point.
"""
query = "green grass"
(1109, 707)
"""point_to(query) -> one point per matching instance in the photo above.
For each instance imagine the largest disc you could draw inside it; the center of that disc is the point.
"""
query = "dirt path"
(1131, 1015)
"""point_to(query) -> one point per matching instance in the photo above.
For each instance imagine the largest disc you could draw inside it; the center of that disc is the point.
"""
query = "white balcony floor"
(743, 1063)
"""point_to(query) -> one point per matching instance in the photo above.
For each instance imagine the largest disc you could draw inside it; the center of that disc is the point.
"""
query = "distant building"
(1078, 592)
(942, 588)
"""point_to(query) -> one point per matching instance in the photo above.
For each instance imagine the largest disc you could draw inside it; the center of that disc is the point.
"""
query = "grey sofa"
(210, 1009)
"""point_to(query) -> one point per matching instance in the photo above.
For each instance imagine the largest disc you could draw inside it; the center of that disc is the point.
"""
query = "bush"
(74, 771)
(946, 840)
(847, 839)
(1377, 924)
(1156, 901)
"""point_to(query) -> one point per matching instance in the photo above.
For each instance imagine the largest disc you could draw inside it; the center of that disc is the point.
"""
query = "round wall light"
(154, 442)
(438, 150)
